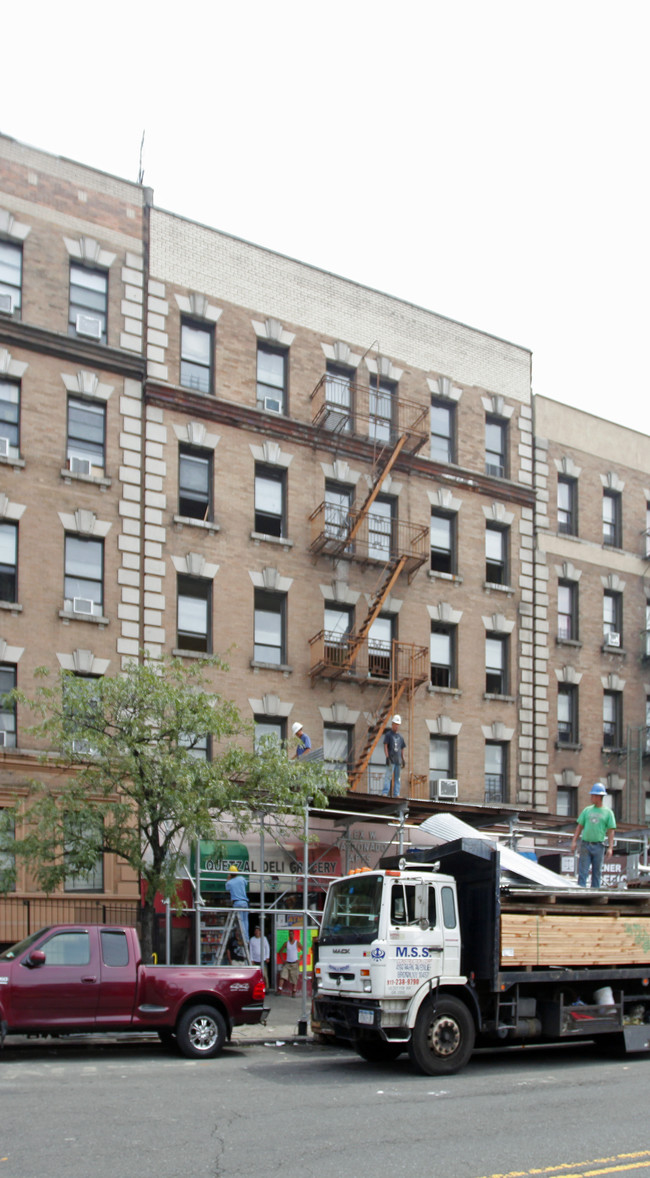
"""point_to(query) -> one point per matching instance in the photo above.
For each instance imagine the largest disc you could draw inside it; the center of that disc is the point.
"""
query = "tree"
(136, 782)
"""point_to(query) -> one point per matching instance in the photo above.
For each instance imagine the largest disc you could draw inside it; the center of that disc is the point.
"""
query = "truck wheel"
(378, 1050)
(443, 1037)
(201, 1032)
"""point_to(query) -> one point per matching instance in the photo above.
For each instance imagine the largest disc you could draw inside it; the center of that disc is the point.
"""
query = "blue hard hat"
(598, 789)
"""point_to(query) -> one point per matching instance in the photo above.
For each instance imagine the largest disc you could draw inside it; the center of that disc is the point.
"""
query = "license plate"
(367, 1017)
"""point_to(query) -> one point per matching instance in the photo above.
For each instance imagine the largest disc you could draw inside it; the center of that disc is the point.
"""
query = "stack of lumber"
(554, 938)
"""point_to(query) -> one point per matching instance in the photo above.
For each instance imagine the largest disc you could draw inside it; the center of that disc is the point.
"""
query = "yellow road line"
(562, 1169)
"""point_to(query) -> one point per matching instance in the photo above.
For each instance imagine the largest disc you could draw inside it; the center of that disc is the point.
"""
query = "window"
(7, 709)
(443, 656)
(86, 436)
(196, 357)
(496, 439)
(83, 713)
(8, 562)
(380, 645)
(194, 484)
(199, 748)
(84, 575)
(646, 547)
(496, 555)
(339, 386)
(567, 714)
(270, 623)
(496, 665)
(115, 948)
(565, 801)
(376, 768)
(402, 903)
(194, 614)
(567, 506)
(612, 720)
(75, 835)
(337, 625)
(442, 431)
(338, 504)
(647, 724)
(272, 378)
(10, 412)
(495, 771)
(612, 618)
(7, 856)
(381, 403)
(647, 809)
(337, 743)
(443, 543)
(567, 611)
(612, 519)
(269, 726)
(11, 276)
(270, 496)
(88, 303)
(380, 529)
(70, 948)
(441, 761)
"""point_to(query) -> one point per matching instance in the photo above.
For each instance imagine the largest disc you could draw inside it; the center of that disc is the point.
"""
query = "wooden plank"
(556, 939)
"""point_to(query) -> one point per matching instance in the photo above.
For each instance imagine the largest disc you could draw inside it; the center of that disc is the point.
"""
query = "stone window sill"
(568, 746)
(262, 538)
(433, 690)
(95, 619)
(179, 652)
(616, 650)
(504, 699)
(102, 481)
(494, 585)
(11, 606)
(455, 578)
(208, 525)
(568, 642)
(17, 463)
(283, 667)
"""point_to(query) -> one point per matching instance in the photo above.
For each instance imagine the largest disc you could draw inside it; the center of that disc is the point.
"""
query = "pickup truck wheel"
(443, 1037)
(379, 1050)
(201, 1032)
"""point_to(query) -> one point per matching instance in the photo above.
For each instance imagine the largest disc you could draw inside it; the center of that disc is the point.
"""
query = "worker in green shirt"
(596, 825)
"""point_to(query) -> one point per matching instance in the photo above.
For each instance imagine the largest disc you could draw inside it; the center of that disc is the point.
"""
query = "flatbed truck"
(437, 955)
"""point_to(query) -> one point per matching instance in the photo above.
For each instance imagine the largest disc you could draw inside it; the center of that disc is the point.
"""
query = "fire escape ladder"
(384, 469)
(387, 705)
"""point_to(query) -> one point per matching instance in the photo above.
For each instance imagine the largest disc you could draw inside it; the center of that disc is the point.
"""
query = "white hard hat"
(296, 727)
(396, 719)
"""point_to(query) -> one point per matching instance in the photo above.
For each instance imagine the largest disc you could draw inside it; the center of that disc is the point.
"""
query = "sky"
(485, 159)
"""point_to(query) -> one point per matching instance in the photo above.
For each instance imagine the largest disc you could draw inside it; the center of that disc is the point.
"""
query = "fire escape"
(374, 540)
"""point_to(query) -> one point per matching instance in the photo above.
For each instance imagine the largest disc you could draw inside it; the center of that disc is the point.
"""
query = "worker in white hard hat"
(304, 743)
(596, 825)
(394, 745)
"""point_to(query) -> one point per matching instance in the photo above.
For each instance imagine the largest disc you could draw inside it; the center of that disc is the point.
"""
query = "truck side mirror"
(36, 958)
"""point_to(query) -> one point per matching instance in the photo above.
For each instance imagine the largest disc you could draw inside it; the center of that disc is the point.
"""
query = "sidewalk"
(282, 1023)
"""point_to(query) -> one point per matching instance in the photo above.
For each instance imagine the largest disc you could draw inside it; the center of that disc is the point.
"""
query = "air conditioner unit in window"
(3, 738)
(6, 303)
(4, 447)
(444, 788)
(79, 465)
(612, 639)
(82, 605)
(272, 405)
(89, 325)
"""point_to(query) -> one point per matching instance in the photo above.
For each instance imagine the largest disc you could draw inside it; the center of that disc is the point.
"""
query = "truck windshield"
(352, 911)
(15, 950)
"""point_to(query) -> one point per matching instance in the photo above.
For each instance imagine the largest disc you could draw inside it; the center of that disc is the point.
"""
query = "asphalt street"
(71, 1109)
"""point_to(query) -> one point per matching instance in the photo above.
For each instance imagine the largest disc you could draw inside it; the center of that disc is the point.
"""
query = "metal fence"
(20, 917)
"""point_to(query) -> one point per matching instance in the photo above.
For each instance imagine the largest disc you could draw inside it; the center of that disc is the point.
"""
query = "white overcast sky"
(486, 159)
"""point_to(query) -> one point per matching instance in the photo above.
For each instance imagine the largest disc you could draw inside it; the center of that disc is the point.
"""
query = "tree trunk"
(148, 928)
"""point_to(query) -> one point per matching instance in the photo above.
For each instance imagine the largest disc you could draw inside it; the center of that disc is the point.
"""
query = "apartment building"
(209, 447)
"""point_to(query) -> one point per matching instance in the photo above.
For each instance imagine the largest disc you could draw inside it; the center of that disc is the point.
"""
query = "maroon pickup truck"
(90, 978)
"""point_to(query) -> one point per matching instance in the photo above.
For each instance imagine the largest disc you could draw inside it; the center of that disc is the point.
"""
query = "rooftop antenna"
(140, 166)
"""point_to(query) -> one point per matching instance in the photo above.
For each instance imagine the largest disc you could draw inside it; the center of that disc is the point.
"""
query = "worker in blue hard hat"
(596, 826)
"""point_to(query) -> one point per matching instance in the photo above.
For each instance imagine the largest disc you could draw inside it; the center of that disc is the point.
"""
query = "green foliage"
(130, 782)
